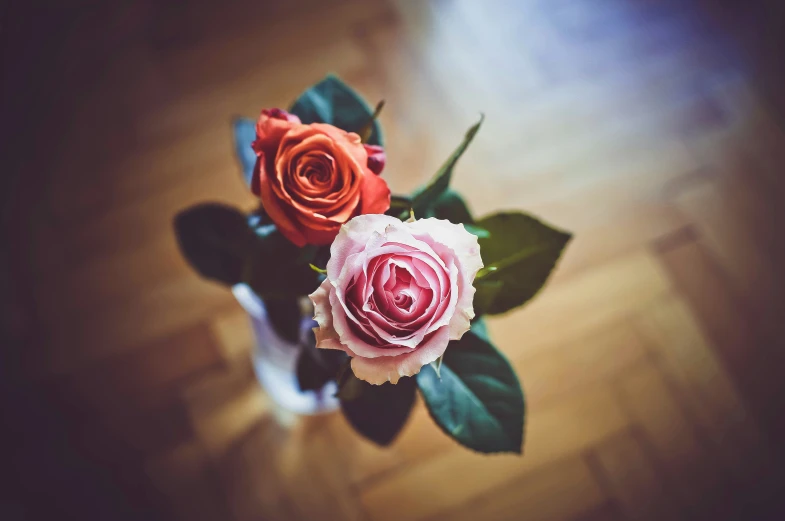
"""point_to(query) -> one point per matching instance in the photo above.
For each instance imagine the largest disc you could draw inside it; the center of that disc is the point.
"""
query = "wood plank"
(744, 349)
(531, 497)
(250, 475)
(704, 386)
(313, 474)
(597, 296)
(175, 304)
(712, 401)
(296, 467)
(647, 397)
(234, 334)
(188, 481)
(568, 366)
(731, 220)
(552, 433)
(146, 378)
(364, 461)
(148, 432)
(559, 371)
(607, 512)
(654, 349)
(218, 425)
(706, 287)
(213, 388)
(633, 480)
(612, 234)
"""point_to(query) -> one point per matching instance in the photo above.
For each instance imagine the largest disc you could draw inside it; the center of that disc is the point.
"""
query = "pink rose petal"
(396, 293)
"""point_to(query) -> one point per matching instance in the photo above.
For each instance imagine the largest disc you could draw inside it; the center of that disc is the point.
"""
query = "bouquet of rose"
(399, 284)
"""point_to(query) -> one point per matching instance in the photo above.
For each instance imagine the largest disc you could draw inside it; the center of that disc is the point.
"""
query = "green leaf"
(223, 244)
(486, 293)
(519, 256)
(477, 401)
(285, 316)
(274, 267)
(480, 328)
(476, 230)
(424, 198)
(244, 131)
(437, 366)
(215, 239)
(332, 101)
(379, 412)
(349, 386)
(399, 206)
(365, 132)
(316, 367)
(450, 206)
(307, 254)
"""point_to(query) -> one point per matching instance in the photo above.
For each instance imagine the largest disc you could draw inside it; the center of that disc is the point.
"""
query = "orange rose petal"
(255, 177)
(375, 194)
(321, 237)
(315, 180)
(274, 209)
(270, 130)
(348, 140)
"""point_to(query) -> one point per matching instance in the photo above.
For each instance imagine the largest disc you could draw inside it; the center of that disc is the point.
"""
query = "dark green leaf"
(285, 316)
(316, 367)
(349, 386)
(215, 239)
(274, 266)
(480, 328)
(244, 134)
(332, 101)
(487, 290)
(307, 254)
(476, 230)
(519, 255)
(427, 196)
(450, 206)
(477, 401)
(322, 256)
(399, 206)
(379, 412)
(365, 132)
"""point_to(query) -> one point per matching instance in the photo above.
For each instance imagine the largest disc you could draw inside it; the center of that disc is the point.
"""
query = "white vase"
(275, 361)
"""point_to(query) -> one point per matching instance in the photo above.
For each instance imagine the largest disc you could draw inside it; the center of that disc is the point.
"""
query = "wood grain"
(652, 360)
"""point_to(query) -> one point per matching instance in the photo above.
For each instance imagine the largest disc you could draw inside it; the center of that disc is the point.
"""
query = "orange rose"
(313, 178)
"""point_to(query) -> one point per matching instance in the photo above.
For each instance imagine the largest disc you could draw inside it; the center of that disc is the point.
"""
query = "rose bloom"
(313, 178)
(396, 293)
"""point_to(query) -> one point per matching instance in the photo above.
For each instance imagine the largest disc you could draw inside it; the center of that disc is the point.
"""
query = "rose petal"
(350, 338)
(275, 210)
(384, 369)
(326, 337)
(467, 254)
(400, 292)
(376, 158)
(271, 126)
(375, 194)
(352, 238)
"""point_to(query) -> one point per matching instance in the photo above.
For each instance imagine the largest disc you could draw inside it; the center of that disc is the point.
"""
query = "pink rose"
(396, 293)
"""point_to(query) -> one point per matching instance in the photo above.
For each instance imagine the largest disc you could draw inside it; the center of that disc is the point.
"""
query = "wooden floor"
(652, 361)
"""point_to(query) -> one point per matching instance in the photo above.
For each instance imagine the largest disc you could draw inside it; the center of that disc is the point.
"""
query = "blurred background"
(652, 361)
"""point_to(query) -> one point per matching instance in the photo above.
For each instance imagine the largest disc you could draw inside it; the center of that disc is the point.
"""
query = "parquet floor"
(652, 362)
